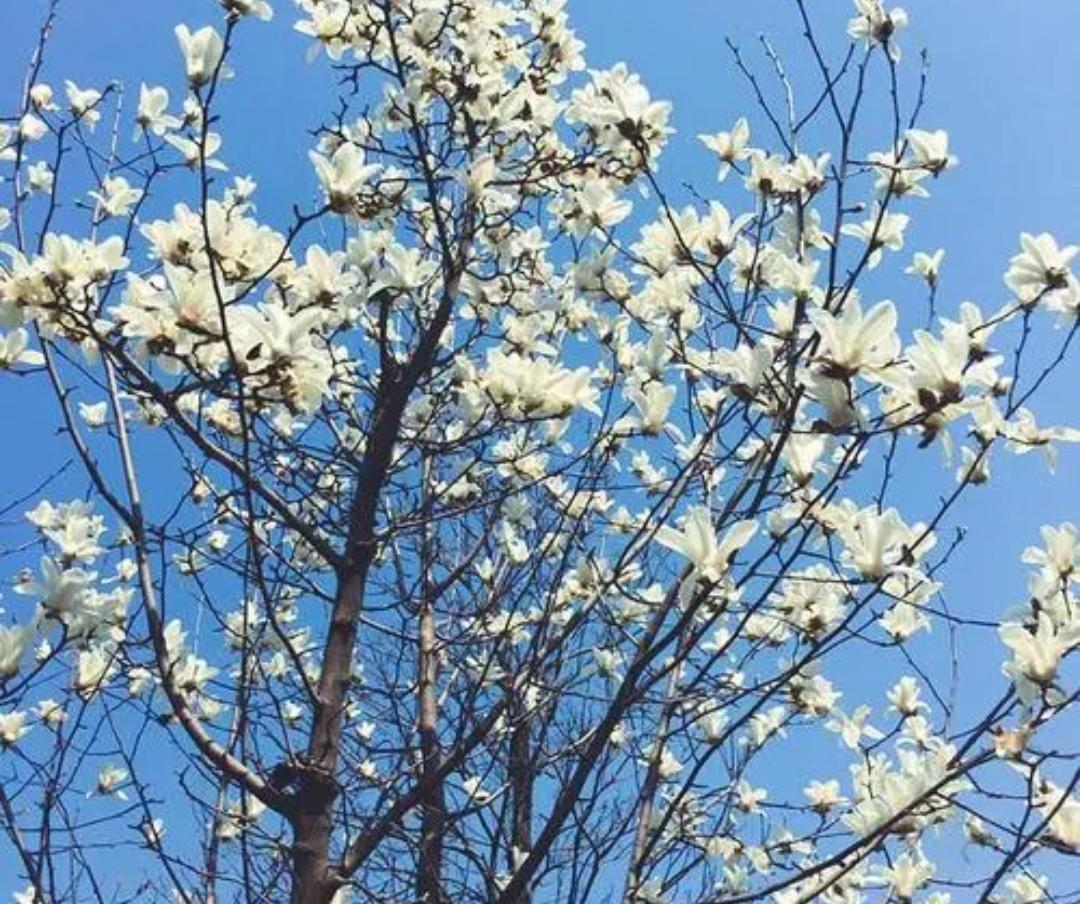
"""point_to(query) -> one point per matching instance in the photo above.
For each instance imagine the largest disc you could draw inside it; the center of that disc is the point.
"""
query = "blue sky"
(1004, 80)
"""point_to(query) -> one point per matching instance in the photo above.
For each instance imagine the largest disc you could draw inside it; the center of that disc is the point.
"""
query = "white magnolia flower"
(824, 796)
(906, 875)
(116, 197)
(653, 404)
(930, 150)
(193, 151)
(474, 788)
(608, 662)
(852, 729)
(1061, 552)
(882, 229)
(51, 713)
(1024, 435)
(92, 671)
(1041, 266)
(151, 115)
(669, 765)
(1037, 654)
(14, 642)
(1063, 812)
(852, 342)
(202, 51)
(110, 781)
(31, 128)
(261, 9)
(697, 541)
(153, 831)
(904, 697)
(41, 96)
(64, 592)
(14, 350)
(928, 266)
(83, 102)
(747, 797)
(874, 25)
(94, 415)
(875, 542)
(12, 728)
(40, 177)
(343, 174)
(730, 147)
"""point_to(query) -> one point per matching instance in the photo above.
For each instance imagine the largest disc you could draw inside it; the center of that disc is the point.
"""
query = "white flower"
(1039, 267)
(14, 350)
(928, 266)
(882, 229)
(1061, 552)
(653, 404)
(1024, 434)
(617, 106)
(31, 128)
(41, 96)
(1037, 653)
(192, 152)
(40, 177)
(1026, 889)
(202, 51)
(697, 541)
(343, 175)
(747, 797)
(906, 875)
(874, 25)
(904, 697)
(875, 542)
(853, 342)
(92, 672)
(931, 149)
(63, 592)
(259, 8)
(1063, 812)
(109, 782)
(669, 765)
(83, 102)
(116, 197)
(12, 727)
(153, 831)
(32, 894)
(903, 620)
(852, 729)
(151, 115)
(14, 642)
(824, 796)
(51, 713)
(728, 146)
(93, 415)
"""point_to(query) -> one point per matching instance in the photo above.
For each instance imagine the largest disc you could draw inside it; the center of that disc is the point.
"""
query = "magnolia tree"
(495, 529)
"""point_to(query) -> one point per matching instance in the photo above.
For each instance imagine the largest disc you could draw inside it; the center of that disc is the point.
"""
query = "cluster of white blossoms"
(476, 485)
(74, 609)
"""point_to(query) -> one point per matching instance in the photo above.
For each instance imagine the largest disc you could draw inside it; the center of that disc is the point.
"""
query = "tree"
(474, 536)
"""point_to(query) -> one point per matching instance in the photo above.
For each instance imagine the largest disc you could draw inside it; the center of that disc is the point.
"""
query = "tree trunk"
(433, 824)
(521, 789)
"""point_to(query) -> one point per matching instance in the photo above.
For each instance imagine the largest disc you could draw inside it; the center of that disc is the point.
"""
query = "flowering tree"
(475, 536)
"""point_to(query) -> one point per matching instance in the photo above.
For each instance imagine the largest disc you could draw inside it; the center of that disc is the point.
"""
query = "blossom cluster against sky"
(1001, 81)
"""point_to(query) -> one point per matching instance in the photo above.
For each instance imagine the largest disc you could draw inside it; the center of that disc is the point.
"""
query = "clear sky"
(1004, 80)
